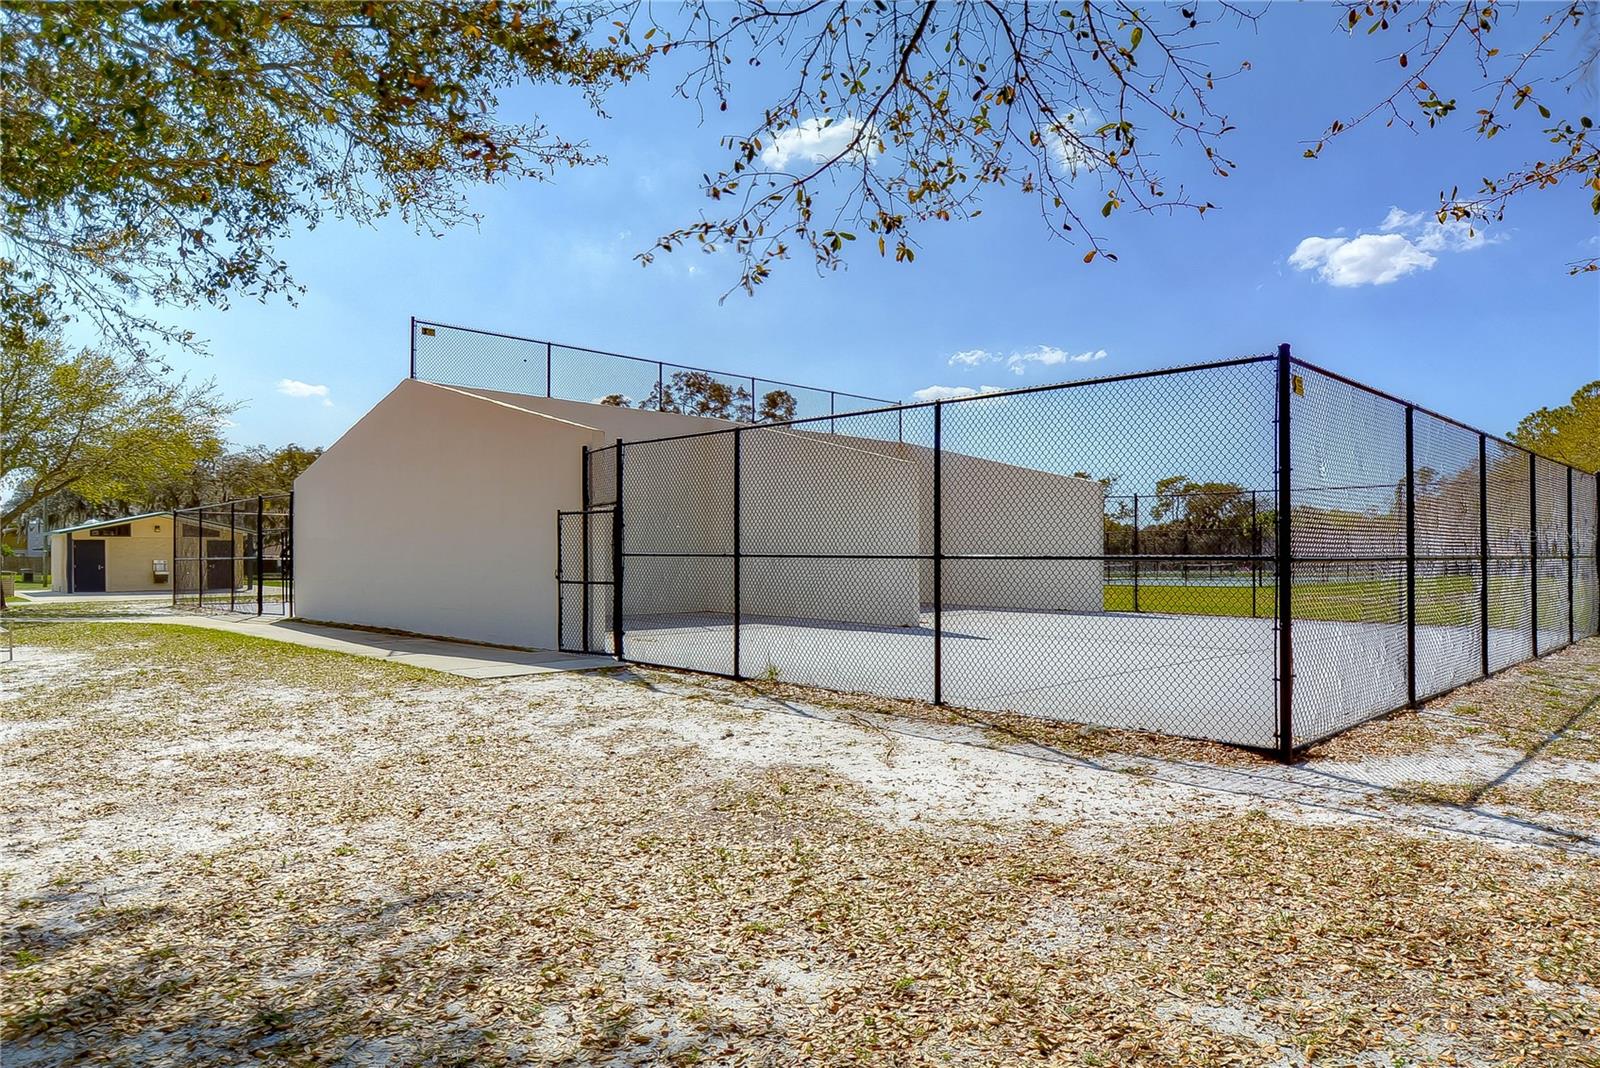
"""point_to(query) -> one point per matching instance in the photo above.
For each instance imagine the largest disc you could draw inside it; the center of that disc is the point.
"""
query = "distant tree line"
(703, 394)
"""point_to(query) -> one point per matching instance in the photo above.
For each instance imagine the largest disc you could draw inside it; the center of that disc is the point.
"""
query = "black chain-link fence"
(1106, 551)
(235, 556)
(482, 359)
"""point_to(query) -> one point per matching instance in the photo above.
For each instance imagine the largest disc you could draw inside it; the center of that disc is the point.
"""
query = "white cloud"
(1019, 362)
(1400, 220)
(972, 358)
(818, 140)
(933, 393)
(1407, 242)
(1371, 259)
(290, 387)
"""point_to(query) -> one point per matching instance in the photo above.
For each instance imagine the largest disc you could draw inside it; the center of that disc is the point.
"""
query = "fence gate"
(585, 585)
(235, 556)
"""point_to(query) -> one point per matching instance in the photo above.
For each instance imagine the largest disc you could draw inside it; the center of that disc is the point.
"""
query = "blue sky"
(1485, 330)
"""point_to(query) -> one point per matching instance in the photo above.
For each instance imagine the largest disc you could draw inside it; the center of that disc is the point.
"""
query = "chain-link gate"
(585, 583)
(235, 556)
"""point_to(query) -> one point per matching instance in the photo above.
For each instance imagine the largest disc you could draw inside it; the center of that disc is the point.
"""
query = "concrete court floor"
(1210, 677)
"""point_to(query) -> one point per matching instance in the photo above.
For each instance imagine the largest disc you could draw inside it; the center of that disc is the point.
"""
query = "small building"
(131, 554)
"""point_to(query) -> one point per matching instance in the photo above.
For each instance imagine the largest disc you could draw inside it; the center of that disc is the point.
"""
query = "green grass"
(1441, 600)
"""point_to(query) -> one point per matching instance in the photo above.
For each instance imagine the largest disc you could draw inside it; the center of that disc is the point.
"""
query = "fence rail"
(235, 556)
(1108, 551)
(484, 359)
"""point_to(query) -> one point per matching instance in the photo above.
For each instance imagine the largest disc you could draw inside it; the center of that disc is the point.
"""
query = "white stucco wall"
(992, 508)
(436, 513)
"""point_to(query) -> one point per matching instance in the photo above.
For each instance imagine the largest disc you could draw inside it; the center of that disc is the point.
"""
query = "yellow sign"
(1298, 384)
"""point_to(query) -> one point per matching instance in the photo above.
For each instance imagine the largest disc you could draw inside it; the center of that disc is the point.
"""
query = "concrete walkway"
(436, 654)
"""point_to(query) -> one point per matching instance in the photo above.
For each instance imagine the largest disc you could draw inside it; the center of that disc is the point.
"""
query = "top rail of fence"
(553, 387)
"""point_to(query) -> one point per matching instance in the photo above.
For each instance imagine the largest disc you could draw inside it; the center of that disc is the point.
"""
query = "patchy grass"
(25, 609)
(224, 849)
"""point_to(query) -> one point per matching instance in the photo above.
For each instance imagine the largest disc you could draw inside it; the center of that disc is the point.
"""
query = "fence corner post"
(413, 344)
(1285, 559)
(738, 557)
(616, 562)
(938, 551)
(1411, 558)
(1483, 548)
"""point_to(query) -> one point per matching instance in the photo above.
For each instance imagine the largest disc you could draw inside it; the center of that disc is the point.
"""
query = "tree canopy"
(160, 149)
(1570, 433)
(154, 152)
(96, 425)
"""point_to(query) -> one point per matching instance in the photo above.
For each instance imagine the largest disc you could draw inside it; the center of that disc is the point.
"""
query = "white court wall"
(436, 513)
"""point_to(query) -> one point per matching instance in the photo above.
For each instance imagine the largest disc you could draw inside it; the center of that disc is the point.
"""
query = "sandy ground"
(218, 850)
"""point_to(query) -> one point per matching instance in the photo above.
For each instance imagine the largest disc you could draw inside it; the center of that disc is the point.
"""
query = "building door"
(219, 564)
(88, 566)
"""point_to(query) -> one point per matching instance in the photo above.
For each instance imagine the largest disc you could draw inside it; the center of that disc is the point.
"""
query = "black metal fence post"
(1483, 545)
(938, 551)
(549, 381)
(1411, 557)
(1255, 552)
(174, 578)
(587, 642)
(752, 399)
(616, 560)
(1533, 546)
(1135, 552)
(286, 561)
(261, 586)
(1284, 561)
(1572, 619)
(233, 553)
(738, 559)
(413, 343)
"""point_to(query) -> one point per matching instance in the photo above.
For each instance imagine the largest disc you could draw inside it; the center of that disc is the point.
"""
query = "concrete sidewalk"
(436, 654)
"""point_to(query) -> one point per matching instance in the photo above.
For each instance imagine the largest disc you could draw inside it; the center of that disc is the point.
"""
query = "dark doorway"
(88, 566)
(219, 564)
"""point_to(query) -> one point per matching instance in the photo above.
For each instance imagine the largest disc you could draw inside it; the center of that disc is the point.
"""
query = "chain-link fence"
(235, 556)
(483, 359)
(1109, 551)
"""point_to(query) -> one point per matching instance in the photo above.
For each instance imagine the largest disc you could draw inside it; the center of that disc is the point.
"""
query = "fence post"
(1135, 552)
(286, 562)
(938, 550)
(1255, 553)
(1483, 545)
(549, 382)
(233, 553)
(738, 559)
(413, 343)
(587, 641)
(174, 578)
(1533, 548)
(1411, 558)
(261, 599)
(661, 392)
(616, 560)
(1284, 560)
(752, 398)
(1572, 619)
